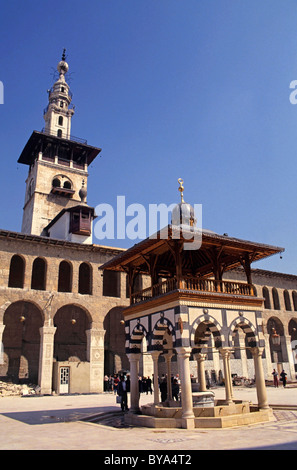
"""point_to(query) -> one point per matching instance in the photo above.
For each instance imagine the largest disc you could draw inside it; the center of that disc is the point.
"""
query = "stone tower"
(58, 164)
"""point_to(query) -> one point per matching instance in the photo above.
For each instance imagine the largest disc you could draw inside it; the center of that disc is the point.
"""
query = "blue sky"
(197, 89)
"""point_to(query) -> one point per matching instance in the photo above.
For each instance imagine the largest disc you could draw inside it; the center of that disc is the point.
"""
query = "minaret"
(58, 162)
(59, 111)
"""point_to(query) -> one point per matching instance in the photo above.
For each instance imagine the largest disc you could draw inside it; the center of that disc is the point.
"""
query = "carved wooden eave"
(217, 254)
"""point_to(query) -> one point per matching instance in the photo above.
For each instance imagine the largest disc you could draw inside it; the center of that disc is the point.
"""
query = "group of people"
(120, 386)
(175, 385)
(283, 378)
(145, 385)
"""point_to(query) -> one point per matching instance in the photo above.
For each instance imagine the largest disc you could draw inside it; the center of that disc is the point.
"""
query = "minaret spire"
(59, 111)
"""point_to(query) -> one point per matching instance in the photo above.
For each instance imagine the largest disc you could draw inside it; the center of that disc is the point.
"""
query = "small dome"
(183, 214)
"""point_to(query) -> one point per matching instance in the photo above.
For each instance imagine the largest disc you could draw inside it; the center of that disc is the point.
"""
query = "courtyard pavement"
(55, 423)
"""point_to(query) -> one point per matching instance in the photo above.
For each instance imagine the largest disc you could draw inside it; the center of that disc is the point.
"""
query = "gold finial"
(181, 189)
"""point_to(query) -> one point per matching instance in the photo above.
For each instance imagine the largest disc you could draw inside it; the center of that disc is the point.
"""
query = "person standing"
(283, 377)
(163, 389)
(122, 391)
(175, 389)
(275, 378)
(149, 385)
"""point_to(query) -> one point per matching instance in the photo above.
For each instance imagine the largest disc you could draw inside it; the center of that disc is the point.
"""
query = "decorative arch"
(212, 327)
(162, 327)
(248, 329)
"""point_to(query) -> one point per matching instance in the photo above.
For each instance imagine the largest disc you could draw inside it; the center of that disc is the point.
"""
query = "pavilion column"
(134, 387)
(225, 352)
(155, 355)
(169, 386)
(200, 358)
(45, 372)
(260, 380)
(186, 388)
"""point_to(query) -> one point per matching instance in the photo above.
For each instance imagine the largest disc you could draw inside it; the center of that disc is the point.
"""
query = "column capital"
(155, 354)
(134, 357)
(184, 351)
(200, 357)
(226, 352)
(256, 351)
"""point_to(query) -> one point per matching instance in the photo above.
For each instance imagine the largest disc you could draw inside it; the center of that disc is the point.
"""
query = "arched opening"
(60, 121)
(85, 279)
(287, 300)
(115, 358)
(293, 334)
(67, 185)
(16, 272)
(56, 183)
(276, 304)
(65, 277)
(38, 280)
(70, 342)
(21, 342)
(276, 331)
(266, 296)
(59, 133)
(294, 296)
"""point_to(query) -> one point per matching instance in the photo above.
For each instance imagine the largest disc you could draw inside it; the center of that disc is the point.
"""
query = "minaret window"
(59, 133)
(61, 104)
(60, 120)
(56, 183)
(62, 186)
(67, 185)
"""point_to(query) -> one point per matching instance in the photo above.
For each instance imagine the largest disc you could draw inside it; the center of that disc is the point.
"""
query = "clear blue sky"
(197, 89)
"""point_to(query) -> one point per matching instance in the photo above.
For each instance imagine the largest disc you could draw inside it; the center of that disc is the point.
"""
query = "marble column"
(186, 388)
(155, 356)
(134, 359)
(225, 352)
(168, 364)
(260, 380)
(200, 358)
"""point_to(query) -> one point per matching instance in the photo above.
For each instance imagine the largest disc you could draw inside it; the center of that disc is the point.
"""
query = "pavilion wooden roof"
(230, 252)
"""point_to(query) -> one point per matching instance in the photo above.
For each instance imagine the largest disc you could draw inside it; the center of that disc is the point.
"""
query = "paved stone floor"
(55, 423)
